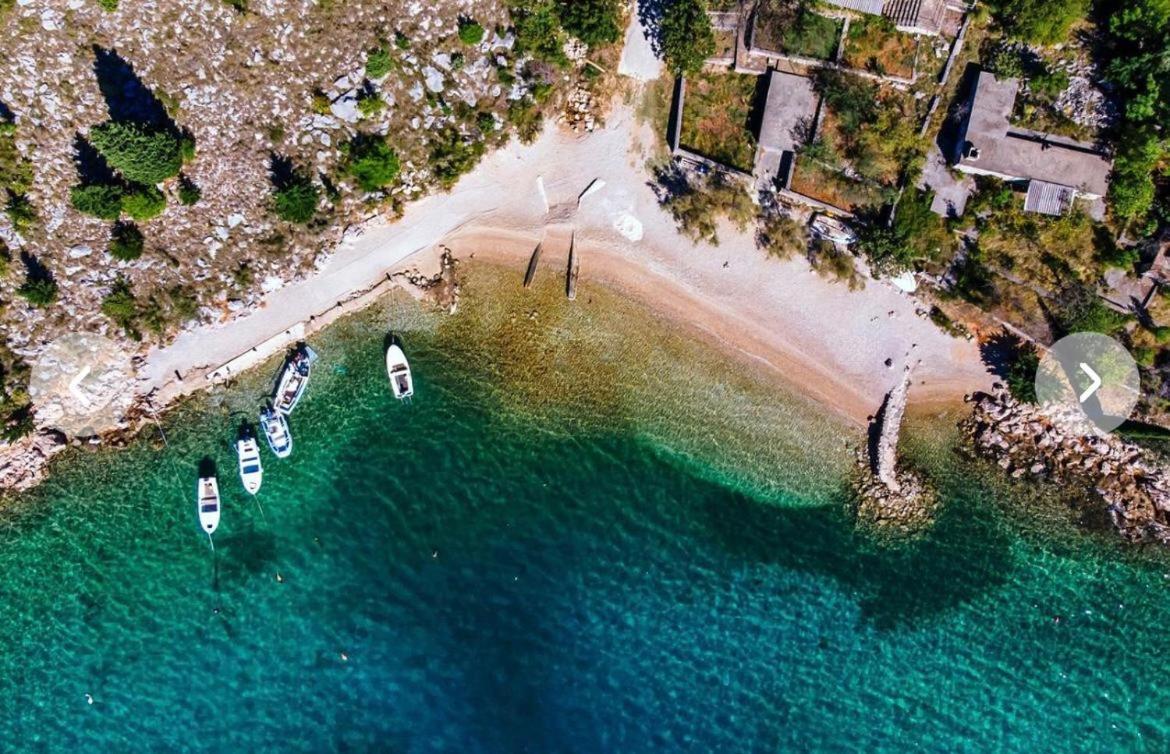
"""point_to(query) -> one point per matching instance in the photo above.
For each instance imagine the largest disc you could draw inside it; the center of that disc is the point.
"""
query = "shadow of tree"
(1000, 351)
(6, 114)
(650, 13)
(34, 269)
(91, 166)
(127, 97)
(281, 171)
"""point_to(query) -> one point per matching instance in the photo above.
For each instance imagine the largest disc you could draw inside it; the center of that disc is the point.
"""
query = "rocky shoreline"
(1026, 440)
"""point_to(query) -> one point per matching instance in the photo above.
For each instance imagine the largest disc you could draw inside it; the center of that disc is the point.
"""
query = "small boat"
(832, 230)
(275, 427)
(399, 372)
(294, 378)
(251, 472)
(208, 499)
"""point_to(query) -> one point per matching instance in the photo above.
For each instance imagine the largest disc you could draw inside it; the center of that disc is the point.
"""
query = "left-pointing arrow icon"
(1095, 382)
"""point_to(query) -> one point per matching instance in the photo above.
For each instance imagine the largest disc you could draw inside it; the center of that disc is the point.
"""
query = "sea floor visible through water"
(586, 534)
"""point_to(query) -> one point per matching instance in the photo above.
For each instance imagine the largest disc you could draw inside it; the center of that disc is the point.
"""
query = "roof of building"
(791, 102)
(1048, 198)
(990, 144)
(861, 6)
(919, 15)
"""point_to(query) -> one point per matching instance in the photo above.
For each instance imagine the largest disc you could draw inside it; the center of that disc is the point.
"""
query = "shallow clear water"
(563, 545)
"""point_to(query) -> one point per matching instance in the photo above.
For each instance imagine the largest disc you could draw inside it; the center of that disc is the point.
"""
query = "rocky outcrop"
(1026, 440)
(23, 463)
(441, 288)
(889, 498)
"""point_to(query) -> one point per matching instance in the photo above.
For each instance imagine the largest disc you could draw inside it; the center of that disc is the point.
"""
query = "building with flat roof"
(1056, 170)
(914, 16)
(789, 109)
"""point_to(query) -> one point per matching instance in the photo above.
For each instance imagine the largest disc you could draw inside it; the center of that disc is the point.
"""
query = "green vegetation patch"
(874, 45)
(379, 62)
(126, 242)
(295, 197)
(594, 22)
(686, 36)
(470, 32)
(717, 115)
(101, 201)
(15, 405)
(790, 27)
(372, 162)
(817, 180)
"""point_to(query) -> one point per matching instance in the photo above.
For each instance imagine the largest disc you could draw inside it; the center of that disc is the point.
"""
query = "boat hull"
(208, 504)
(251, 470)
(276, 432)
(398, 370)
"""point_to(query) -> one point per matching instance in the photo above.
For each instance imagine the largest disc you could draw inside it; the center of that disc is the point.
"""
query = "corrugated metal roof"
(1048, 198)
(861, 6)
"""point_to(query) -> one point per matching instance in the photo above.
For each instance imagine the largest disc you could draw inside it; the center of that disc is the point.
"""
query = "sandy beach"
(827, 341)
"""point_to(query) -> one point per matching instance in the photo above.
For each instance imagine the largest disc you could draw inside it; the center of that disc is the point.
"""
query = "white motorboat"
(251, 471)
(275, 427)
(294, 379)
(208, 502)
(833, 230)
(398, 370)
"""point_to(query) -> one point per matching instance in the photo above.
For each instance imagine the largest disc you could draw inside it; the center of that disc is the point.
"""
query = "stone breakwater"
(1028, 441)
(889, 497)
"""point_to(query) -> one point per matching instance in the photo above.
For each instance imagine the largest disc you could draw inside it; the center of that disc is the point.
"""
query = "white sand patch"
(629, 226)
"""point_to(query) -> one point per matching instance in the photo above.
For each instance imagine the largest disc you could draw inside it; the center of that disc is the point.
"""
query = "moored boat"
(398, 370)
(208, 504)
(294, 378)
(275, 427)
(251, 471)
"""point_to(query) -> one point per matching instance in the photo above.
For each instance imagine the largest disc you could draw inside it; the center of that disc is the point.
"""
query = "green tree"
(470, 33)
(687, 37)
(39, 288)
(594, 22)
(189, 193)
(1021, 374)
(126, 242)
(98, 200)
(372, 162)
(697, 210)
(296, 198)
(142, 154)
(143, 203)
(1131, 187)
(378, 62)
(1044, 22)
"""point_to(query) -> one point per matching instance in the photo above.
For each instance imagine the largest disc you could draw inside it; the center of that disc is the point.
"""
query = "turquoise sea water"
(538, 556)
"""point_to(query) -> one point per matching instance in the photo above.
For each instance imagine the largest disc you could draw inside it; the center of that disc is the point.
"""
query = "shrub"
(1079, 309)
(1044, 22)
(370, 103)
(296, 199)
(470, 33)
(1021, 374)
(835, 264)
(20, 211)
(98, 200)
(452, 156)
(378, 62)
(142, 154)
(108, 5)
(538, 31)
(144, 203)
(853, 99)
(372, 162)
(594, 22)
(698, 209)
(121, 306)
(485, 122)
(401, 41)
(126, 242)
(189, 193)
(687, 37)
(526, 118)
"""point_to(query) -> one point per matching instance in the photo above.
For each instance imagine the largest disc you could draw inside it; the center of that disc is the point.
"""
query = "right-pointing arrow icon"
(1095, 380)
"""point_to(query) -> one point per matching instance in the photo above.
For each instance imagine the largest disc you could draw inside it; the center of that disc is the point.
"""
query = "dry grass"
(716, 117)
(874, 45)
(818, 181)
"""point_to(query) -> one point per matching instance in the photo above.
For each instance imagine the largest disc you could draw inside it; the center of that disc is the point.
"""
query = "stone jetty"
(1026, 440)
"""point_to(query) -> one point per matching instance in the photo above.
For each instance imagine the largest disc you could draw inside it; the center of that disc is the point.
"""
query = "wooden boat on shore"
(251, 471)
(398, 370)
(207, 496)
(275, 427)
(294, 378)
